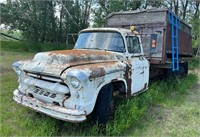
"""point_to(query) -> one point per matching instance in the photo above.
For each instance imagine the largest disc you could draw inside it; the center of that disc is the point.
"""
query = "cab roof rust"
(120, 30)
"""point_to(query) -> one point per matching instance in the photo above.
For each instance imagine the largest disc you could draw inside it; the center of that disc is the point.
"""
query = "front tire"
(104, 105)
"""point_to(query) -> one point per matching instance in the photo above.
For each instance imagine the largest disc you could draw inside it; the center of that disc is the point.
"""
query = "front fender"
(93, 77)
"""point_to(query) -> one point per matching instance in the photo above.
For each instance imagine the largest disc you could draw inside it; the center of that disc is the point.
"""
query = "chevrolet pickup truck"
(71, 85)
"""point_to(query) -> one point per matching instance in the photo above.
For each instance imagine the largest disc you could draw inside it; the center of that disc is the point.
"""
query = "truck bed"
(154, 24)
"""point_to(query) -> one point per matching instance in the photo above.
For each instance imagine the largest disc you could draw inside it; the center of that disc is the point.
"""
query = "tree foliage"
(46, 21)
(194, 20)
(104, 7)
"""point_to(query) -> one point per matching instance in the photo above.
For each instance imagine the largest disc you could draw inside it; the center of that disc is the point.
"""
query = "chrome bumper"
(57, 112)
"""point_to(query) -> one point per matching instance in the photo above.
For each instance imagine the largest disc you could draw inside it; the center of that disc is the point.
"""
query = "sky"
(2, 1)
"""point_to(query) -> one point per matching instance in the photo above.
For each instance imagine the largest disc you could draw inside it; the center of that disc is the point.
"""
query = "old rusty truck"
(72, 84)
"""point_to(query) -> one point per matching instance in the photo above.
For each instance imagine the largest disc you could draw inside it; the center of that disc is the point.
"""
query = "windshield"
(111, 41)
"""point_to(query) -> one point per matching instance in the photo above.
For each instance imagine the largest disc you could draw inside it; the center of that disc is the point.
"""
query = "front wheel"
(104, 105)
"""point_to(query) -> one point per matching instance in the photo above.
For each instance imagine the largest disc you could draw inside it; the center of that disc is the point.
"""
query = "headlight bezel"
(80, 75)
(16, 68)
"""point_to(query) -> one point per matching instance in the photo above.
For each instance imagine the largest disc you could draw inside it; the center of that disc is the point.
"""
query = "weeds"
(129, 112)
(195, 63)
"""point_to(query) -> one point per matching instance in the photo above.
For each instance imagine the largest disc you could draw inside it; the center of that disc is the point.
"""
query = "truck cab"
(72, 84)
(126, 45)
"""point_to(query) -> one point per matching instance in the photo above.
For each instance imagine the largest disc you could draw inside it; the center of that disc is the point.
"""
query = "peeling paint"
(127, 77)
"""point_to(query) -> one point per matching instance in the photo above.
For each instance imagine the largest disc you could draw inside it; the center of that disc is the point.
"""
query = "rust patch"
(80, 56)
(79, 52)
(98, 69)
(93, 66)
(114, 80)
(127, 77)
(97, 72)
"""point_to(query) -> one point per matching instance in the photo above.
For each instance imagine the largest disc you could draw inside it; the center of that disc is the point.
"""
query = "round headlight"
(16, 68)
(74, 82)
(18, 72)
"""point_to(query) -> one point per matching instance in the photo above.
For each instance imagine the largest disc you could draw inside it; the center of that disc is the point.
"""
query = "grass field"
(169, 108)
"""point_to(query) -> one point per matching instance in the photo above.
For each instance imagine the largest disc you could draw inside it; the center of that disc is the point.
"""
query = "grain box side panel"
(184, 42)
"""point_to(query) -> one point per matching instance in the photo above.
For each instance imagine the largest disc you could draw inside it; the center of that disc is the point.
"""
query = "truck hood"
(54, 63)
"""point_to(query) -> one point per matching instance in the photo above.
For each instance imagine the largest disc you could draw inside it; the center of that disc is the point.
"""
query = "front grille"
(45, 77)
(47, 89)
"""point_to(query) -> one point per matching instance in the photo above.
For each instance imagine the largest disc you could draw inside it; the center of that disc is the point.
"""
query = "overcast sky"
(2, 1)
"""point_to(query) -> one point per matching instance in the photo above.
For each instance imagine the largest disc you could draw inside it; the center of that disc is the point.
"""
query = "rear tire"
(183, 71)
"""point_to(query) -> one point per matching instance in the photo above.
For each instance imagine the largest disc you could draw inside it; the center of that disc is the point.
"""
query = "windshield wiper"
(97, 48)
(115, 50)
(93, 48)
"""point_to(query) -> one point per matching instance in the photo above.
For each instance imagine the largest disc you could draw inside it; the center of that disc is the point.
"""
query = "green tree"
(46, 21)
(74, 16)
(195, 22)
(34, 18)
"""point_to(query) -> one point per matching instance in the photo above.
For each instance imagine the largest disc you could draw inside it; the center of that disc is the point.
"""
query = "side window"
(133, 44)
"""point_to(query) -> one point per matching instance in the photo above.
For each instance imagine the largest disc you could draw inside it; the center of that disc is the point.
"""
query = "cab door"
(140, 65)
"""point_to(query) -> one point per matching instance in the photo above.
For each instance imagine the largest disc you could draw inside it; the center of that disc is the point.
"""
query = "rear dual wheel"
(183, 71)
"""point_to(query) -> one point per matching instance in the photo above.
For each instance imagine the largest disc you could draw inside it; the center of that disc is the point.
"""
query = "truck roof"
(120, 30)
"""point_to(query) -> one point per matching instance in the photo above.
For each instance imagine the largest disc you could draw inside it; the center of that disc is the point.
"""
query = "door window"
(133, 44)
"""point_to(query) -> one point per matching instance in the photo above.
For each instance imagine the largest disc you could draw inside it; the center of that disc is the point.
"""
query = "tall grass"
(195, 63)
(129, 112)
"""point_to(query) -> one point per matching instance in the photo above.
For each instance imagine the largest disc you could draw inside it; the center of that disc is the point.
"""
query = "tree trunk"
(61, 25)
(171, 5)
(196, 14)
(184, 8)
(176, 7)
